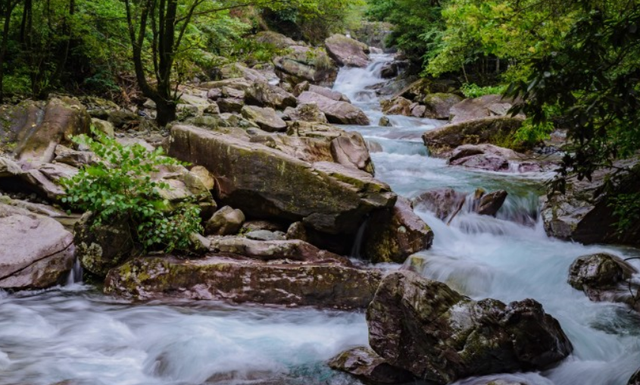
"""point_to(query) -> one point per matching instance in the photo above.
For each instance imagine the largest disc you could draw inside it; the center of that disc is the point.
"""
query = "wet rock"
(346, 51)
(306, 64)
(397, 106)
(394, 234)
(493, 158)
(336, 111)
(102, 247)
(438, 105)
(479, 108)
(584, 214)
(487, 130)
(267, 183)
(35, 129)
(36, 252)
(327, 285)
(307, 113)
(389, 70)
(465, 338)
(490, 203)
(365, 364)
(266, 118)
(225, 221)
(266, 95)
(635, 379)
(605, 277)
(384, 122)
(443, 202)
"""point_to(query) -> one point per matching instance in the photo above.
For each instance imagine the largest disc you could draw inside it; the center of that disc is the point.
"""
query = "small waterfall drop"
(75, 274)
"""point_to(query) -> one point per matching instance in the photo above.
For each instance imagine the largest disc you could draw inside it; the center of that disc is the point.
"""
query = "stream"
(74, 335)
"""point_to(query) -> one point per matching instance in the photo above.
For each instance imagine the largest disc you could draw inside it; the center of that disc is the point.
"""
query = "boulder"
(237, 280)
(256, 225)
(438, 105)
(326, 92)
(605, 277)
(489, 204)
(35, 129)
(493, 158)
(385, 122)
(208, 181)
(275, 39)
(123, 118)
(184, 187)
(439, 335)
(269, 184)
(101, 247)
(443, 202)
(346, 51)
(397, 106)
(306, 64)
(270, 250)
(104, 127)
(230, 105)
(239, 70)
(36, 252)
(365, 364)
(479, 108)
(306, 112)
(298, 231)
(394, 234)
(72, 157)
(336, 111)
(584, 213)
(487, 130)
(44, 179)
(265, 235)
(266, 95)
(266, 118)
(225, 221)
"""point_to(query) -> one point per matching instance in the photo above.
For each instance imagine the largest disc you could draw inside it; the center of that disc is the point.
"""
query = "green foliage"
(417, 25)
(626, 208)
(590, 86)
(472, 90)
(119, 185)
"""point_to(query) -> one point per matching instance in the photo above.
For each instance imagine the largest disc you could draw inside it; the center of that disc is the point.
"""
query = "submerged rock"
(327, 285)
(365, 364)
(392, 235)
(605, 277)
(36, 252)
(441, 336)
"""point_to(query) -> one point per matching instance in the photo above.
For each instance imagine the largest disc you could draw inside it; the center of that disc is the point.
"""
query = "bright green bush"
(471, 90)
(119, 186)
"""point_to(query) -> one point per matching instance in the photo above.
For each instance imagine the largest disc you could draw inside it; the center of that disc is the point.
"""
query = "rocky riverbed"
(423, 223)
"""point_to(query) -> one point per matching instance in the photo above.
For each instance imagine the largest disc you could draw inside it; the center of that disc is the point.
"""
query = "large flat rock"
(269, 184)
(328, 285)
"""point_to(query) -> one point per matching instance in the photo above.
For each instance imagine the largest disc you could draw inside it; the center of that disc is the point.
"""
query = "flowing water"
(76, 334)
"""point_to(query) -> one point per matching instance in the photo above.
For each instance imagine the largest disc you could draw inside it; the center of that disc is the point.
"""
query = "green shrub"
(119, 186)
(471, 90)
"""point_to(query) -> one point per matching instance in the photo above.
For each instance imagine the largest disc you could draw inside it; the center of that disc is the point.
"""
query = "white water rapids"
(76, 334)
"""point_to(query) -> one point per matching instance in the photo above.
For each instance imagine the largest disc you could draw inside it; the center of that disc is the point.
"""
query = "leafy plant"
(119, 185)
(472, 90)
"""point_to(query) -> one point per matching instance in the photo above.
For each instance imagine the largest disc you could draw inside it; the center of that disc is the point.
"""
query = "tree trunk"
(166, 111)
